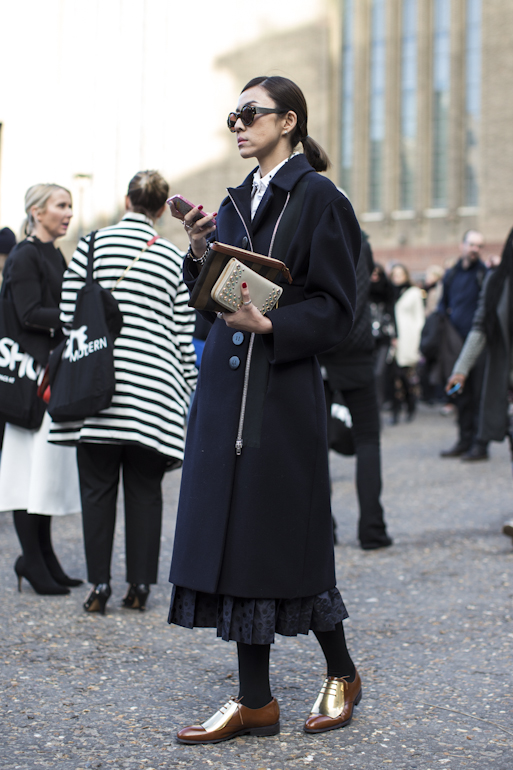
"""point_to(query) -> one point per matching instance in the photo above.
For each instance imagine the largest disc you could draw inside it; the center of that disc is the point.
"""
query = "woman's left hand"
(247, 318)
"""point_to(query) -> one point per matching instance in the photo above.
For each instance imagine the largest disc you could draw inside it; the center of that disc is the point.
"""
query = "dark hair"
(148, 191)
(288, 96)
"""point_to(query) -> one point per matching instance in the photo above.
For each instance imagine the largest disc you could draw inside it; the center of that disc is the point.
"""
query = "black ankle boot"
(54, 568)
(40, 586)
(32, 565)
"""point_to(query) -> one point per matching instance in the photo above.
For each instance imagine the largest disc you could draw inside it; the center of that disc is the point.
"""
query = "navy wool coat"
(258, 524)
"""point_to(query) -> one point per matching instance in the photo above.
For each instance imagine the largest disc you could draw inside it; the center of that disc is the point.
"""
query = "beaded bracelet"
(198, 260)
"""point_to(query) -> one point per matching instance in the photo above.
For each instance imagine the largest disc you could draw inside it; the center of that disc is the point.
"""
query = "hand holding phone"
(455, 389)
(183, 206)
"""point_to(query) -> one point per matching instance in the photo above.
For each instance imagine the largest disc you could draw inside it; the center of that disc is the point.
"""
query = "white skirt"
(36, 476)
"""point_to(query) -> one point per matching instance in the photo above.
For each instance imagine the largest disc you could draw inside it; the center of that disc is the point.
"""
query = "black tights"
(254, 685)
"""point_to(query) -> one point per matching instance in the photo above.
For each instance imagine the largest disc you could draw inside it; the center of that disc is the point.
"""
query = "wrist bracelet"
(198, 260)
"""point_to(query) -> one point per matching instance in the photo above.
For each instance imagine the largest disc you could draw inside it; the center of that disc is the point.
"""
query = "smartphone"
(454, 389)
(184, 206)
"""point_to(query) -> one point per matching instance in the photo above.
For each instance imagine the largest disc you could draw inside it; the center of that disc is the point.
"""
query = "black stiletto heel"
(136, 596)
(98, 598)
(44, 589)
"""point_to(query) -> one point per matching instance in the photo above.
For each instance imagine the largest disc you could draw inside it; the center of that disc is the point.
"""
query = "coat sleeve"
(476, 340)
(184, 319)
(325, 315)
(27, 287)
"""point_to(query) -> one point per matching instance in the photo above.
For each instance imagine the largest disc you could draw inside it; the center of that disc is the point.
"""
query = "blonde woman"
(37, 480)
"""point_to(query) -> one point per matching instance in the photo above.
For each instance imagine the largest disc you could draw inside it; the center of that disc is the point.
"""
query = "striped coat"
(153, 356)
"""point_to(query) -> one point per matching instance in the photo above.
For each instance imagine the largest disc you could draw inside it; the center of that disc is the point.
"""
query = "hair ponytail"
(314, 154)
(287, 96)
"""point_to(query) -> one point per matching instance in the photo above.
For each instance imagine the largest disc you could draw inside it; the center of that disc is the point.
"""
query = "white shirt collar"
(261, 183)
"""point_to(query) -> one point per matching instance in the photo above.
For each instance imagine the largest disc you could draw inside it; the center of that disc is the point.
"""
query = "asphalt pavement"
(430, 630)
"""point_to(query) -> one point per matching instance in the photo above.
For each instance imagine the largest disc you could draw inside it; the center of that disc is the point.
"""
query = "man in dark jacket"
(349, 370)
(461, 288)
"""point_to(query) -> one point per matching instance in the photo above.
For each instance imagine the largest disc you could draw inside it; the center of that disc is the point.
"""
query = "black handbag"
(19, 372)
(81, 368)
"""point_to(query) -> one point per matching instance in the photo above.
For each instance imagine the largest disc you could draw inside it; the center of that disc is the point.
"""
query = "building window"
(472, 100)
(408, 104)
(347, 96)
(377, 105)
(441, 96)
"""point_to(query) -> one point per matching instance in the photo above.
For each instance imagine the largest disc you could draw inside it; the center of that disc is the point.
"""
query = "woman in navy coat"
(253, 552)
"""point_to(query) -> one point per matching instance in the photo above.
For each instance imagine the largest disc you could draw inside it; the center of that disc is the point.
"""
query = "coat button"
(234, 362)
(238, 338)
(245, 242)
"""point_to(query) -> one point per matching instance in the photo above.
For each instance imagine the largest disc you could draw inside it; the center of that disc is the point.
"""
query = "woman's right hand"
(455, 379)
(196, 230)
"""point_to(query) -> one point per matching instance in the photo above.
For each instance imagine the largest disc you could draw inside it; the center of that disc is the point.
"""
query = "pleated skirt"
(256, 621)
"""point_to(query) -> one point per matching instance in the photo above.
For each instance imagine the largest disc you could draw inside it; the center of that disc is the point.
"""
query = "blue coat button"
(238, 338)
(234, 362)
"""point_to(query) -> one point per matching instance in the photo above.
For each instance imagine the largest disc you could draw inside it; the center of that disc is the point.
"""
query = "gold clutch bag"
(227, 289)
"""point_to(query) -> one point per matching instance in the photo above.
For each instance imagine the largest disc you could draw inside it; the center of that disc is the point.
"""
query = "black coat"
(493, 414)
(259, 524)
(32, 279)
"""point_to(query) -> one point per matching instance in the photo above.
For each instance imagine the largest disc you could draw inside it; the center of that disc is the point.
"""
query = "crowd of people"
(253, 552)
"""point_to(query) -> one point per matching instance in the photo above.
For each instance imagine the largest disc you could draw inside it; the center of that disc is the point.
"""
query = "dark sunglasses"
(247, 115)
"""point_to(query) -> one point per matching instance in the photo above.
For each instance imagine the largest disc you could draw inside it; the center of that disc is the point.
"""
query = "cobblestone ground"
(431, 632)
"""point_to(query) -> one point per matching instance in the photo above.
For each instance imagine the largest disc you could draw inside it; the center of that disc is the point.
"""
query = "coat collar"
(286, 179)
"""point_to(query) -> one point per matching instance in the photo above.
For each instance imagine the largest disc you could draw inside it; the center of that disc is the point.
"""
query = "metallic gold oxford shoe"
(334, 705)
(231, 720)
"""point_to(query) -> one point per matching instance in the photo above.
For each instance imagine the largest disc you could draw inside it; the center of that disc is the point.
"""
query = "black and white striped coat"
(154, 356)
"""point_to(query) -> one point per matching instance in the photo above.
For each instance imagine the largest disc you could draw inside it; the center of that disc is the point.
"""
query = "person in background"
(348, 369)
(409, 321)
(431, 389)
(253, 551)
(38, 480)
(7, 243)
(461, 287)
(433, 288)
(491, 334)
(381, 302)
(142, 432)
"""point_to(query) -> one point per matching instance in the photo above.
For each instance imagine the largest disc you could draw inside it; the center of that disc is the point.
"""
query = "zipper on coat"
(239, 442)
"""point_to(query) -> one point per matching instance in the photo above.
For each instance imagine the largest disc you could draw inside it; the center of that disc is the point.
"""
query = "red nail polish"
(200, 208)
(244, 285)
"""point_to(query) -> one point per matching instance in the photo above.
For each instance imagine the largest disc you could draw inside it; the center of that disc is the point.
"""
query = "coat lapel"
(262, 208)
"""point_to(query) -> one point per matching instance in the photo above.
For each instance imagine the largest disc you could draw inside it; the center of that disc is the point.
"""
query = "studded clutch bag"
(227, 289)
(218, 257)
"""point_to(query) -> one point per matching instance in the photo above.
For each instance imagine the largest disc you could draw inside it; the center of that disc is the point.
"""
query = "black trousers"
(99, 468)
(362, 403)
(468, 404)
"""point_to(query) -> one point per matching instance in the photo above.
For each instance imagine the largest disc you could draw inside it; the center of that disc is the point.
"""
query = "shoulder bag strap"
(132, 263)
(90, 258)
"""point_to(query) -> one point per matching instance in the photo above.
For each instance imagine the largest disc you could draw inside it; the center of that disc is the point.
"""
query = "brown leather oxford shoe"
(231, 720)
(334, 705)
